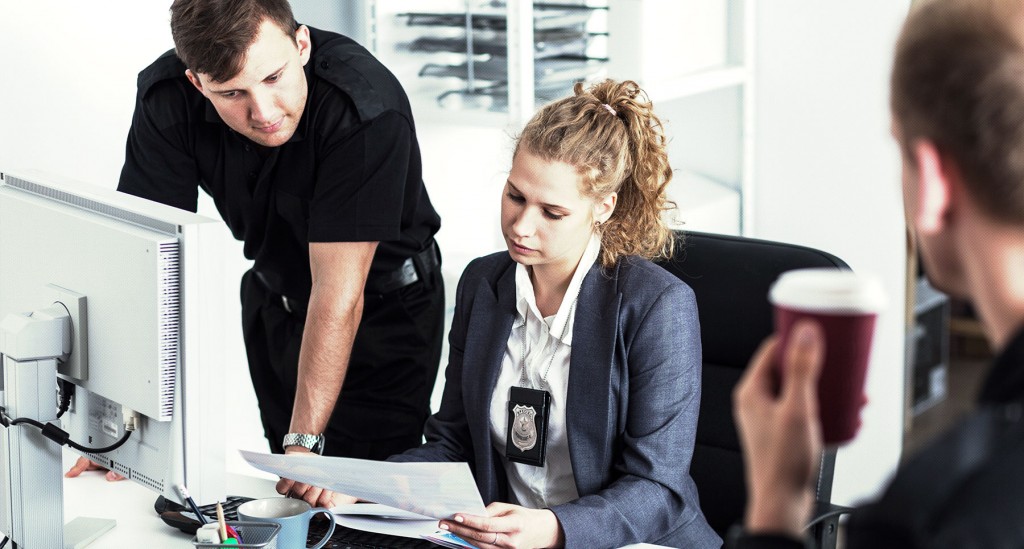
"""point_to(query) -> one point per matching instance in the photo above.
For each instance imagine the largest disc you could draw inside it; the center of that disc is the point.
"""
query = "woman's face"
(545, 220)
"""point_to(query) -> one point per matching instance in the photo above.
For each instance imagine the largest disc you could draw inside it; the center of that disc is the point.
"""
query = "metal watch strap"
(314, 443)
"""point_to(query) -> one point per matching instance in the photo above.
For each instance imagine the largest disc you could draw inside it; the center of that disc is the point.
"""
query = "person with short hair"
(574, 376)
(958, 117)
(307, 145)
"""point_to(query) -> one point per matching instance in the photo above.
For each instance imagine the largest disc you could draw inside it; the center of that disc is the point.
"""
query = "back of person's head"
(213, 36)
(610, 134)
(958, 81)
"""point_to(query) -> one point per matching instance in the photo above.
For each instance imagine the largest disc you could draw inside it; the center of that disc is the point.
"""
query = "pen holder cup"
(254, 535)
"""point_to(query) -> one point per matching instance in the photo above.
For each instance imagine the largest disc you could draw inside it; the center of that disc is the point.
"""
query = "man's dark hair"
(213, 36)
(958, 81)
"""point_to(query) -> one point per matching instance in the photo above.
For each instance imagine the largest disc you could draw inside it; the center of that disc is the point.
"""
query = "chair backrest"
(730, 277)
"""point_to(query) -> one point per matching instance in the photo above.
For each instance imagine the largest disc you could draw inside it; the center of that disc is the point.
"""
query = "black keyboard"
(347, 538)
(182, 518)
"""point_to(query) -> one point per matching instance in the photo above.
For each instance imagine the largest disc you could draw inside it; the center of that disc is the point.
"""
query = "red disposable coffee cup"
(846, 305)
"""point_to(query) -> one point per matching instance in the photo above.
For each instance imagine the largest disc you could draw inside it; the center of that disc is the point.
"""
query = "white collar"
(526, 299)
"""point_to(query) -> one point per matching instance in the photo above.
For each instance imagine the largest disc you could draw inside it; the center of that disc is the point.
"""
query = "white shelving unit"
(694, 58)
(703, 204)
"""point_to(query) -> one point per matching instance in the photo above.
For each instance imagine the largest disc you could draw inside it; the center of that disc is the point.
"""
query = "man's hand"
(83, 464)
(509, 526)
(781, 433)
(316, 497)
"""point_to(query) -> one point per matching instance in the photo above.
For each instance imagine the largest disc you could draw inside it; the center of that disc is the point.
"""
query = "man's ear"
(304, 43)
(935, 175)
(194, 79)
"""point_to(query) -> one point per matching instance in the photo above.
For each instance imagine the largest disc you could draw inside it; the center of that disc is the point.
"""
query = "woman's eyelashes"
(518, 199)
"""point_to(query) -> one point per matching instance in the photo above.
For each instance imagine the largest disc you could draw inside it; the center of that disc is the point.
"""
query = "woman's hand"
(509, 526)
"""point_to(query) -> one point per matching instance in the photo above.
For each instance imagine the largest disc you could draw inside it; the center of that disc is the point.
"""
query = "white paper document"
(374, 517)
(434, 490)
(407, 528)
(377, 510)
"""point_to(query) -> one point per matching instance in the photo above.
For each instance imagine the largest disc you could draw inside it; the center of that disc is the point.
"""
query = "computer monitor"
(141, 283)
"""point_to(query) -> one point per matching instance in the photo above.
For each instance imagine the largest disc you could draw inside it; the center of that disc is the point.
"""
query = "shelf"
(696, 83)
(693, 59)
(494, 19)
(492, 56)
(426, 110)
(703, 204)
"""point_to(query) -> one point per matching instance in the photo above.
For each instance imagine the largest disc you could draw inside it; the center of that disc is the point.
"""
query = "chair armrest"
(823, 528)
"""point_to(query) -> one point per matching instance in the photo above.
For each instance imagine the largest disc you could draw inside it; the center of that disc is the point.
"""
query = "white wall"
(69, 82)
(827, 175)
(66, 104)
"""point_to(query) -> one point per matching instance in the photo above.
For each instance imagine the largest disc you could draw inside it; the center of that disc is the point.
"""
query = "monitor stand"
(31, 479)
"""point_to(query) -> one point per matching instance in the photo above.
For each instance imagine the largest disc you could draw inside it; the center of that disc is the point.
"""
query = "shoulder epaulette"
(165, 67)
(345, 64)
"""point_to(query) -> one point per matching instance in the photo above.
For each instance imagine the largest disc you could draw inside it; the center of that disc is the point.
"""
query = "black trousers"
(385, 399)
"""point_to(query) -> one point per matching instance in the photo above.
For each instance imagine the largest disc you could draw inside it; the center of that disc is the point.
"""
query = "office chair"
(730, 277)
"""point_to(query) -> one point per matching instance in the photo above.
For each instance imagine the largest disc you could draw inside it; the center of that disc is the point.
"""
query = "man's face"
(265, 100)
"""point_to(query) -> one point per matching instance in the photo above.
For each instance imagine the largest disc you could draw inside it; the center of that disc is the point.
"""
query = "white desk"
(131, 505)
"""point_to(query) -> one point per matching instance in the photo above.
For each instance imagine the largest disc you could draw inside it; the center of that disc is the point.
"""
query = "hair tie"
(609, 109)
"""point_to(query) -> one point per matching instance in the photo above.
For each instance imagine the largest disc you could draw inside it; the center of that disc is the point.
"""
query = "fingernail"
(458, 518)
(444, 526)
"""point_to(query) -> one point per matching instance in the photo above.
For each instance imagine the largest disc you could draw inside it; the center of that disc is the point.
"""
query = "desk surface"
(131, 505)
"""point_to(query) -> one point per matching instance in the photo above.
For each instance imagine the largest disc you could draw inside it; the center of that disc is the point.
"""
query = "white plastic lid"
(828, 290)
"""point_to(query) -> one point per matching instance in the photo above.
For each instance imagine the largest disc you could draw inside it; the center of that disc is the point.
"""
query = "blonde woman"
(573, 382)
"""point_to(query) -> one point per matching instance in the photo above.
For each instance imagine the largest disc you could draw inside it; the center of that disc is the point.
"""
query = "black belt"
(412, 270)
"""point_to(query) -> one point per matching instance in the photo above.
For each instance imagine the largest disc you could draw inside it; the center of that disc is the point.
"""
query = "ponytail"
(610, 134)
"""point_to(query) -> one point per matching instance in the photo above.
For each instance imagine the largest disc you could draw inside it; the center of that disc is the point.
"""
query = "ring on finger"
(495, 542)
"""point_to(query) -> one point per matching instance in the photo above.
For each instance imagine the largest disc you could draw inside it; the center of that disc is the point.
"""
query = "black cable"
(29, 421)
(4, 542)
(61, 437)
(66, 390)
(102, 450)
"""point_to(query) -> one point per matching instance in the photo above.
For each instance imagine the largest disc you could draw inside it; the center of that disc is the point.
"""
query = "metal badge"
(524, 427)
(527, 425)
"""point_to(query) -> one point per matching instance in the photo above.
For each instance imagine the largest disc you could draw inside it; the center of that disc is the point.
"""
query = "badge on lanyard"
(527, 425)
(527, 433)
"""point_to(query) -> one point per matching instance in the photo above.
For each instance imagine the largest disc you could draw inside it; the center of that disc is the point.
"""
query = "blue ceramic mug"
(292, 514)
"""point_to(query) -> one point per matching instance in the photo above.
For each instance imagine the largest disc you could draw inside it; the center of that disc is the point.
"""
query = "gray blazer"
(632, 405)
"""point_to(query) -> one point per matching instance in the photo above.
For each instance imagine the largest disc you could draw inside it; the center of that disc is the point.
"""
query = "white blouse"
(547, 368)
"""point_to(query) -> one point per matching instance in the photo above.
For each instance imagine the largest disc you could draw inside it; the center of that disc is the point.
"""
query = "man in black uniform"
(958, 116)
(307, 145)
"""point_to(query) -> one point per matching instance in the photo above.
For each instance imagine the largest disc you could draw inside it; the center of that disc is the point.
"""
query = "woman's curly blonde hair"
(610, 134)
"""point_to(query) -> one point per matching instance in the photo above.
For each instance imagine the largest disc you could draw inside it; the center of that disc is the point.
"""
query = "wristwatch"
(315, 443)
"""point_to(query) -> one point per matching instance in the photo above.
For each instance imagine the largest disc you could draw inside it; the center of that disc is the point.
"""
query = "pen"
(188, 501)
(223, 525)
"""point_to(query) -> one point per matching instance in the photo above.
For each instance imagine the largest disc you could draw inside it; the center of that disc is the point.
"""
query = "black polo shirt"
(350, 173)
